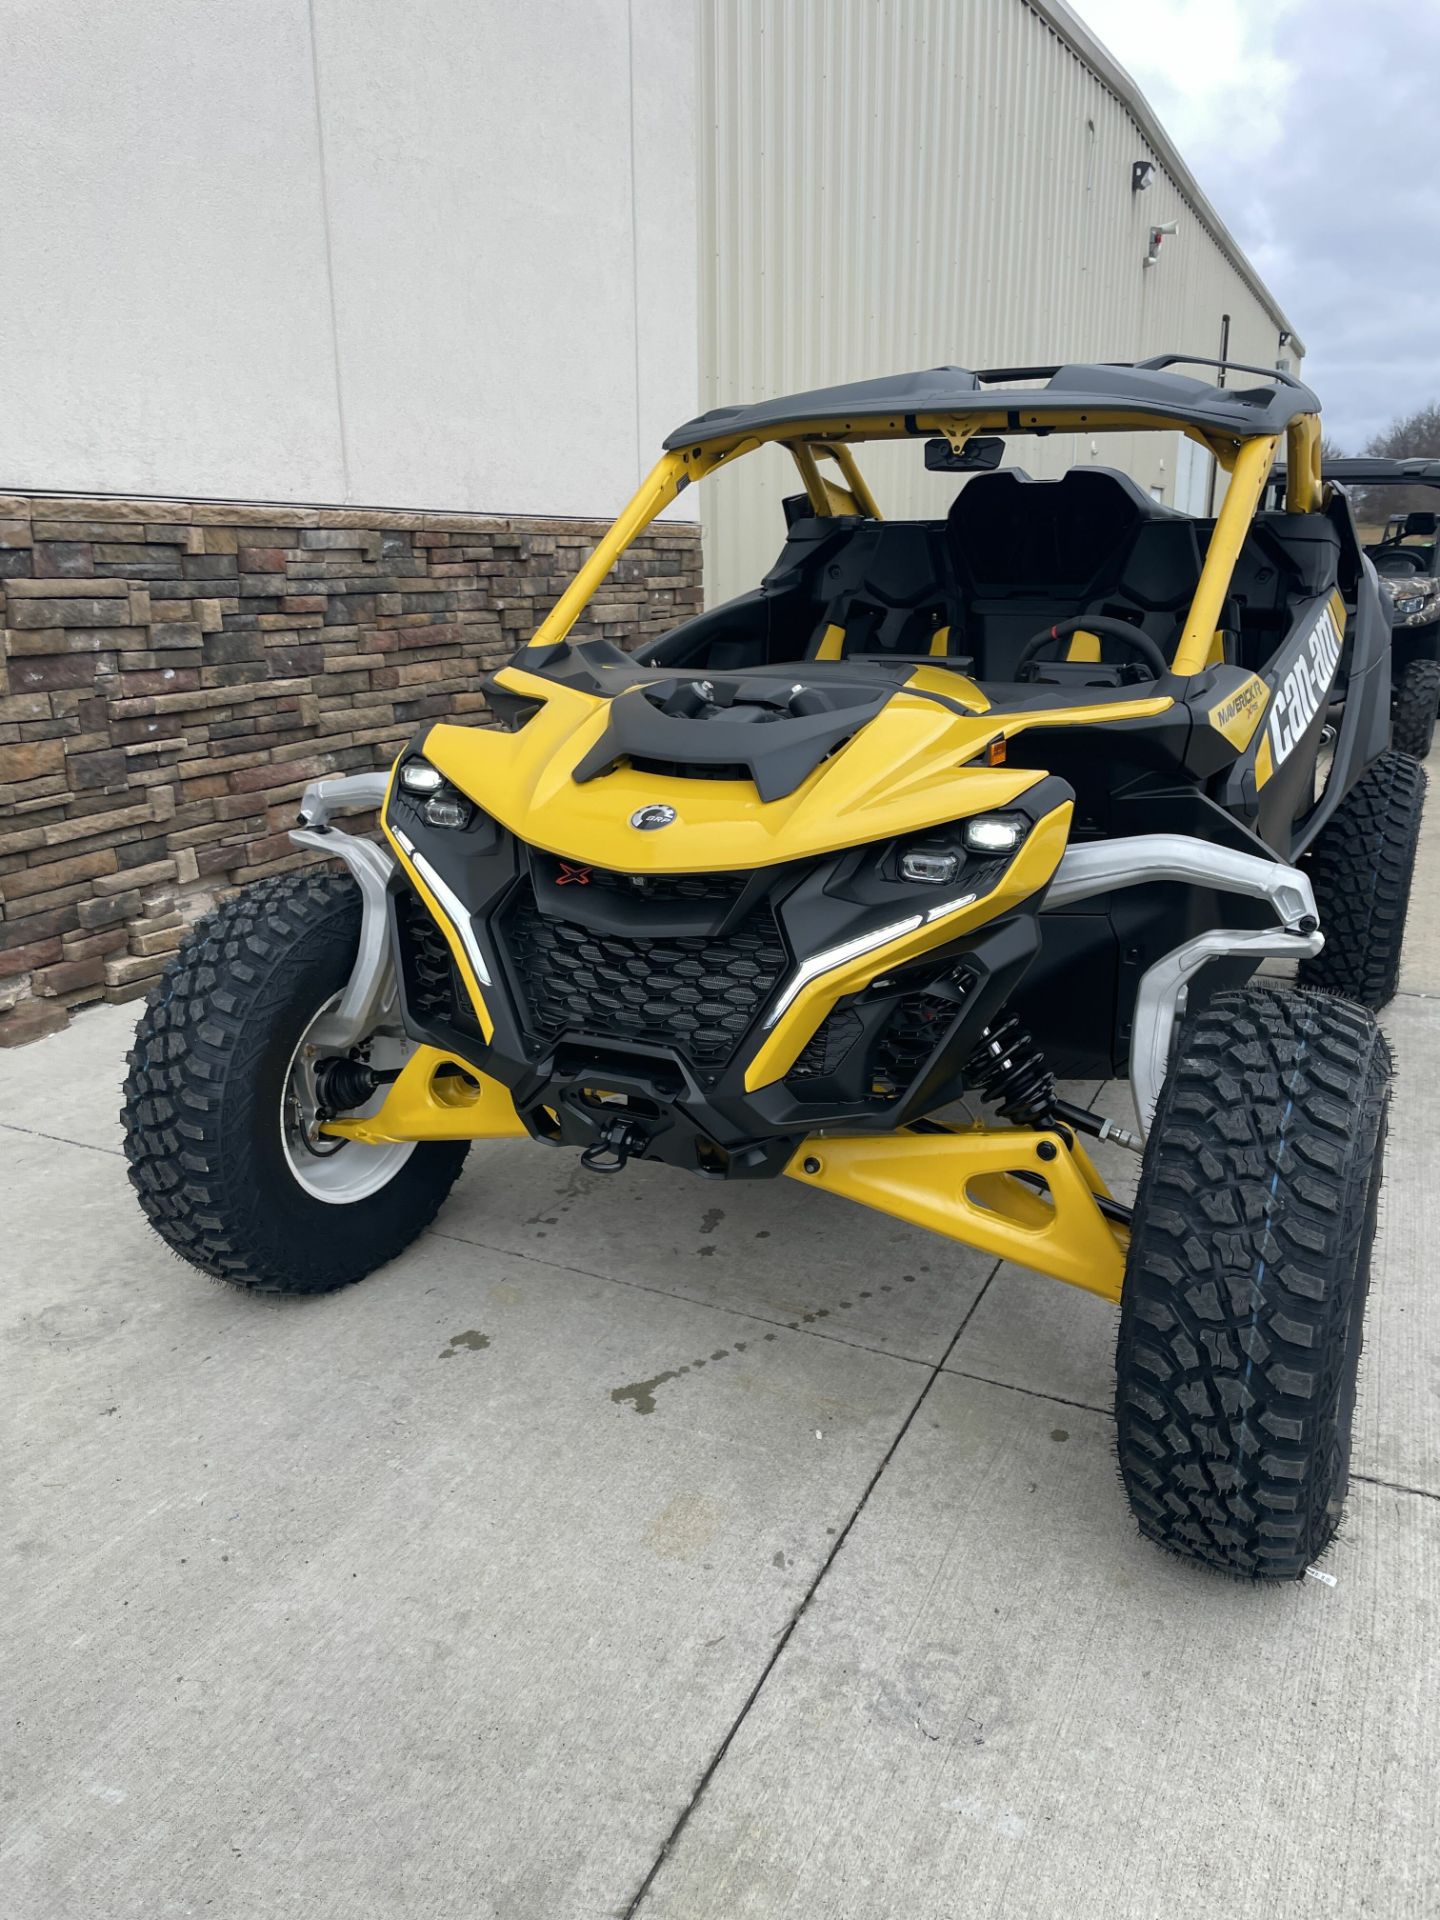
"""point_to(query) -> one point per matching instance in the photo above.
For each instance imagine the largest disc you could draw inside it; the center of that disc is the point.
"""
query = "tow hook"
(619, 1141)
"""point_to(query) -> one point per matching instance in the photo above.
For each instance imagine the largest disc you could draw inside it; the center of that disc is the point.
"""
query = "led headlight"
(993, 833)
(447, 810)
(444, 807)
(418, 776)
(1417, 602)
(932, 865)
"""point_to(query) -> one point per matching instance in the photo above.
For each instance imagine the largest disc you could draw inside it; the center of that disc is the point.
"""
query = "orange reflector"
(995, 753)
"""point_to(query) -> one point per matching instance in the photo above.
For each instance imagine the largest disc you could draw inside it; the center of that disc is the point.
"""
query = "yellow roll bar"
(1247, 483)
(1248, 463)
(666, 480)
(1304, 491)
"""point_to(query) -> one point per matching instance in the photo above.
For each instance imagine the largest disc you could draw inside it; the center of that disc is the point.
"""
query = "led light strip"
(831, 957)
(454, 906)
(947, 907)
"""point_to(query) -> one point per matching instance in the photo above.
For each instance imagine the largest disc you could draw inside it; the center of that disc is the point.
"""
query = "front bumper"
(661, 1014)
(1030, 1196)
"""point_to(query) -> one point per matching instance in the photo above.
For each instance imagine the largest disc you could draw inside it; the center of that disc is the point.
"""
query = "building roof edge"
(1095, 55)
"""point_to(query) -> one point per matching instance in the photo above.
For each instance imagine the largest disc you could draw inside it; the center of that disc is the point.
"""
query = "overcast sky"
(1314, 128)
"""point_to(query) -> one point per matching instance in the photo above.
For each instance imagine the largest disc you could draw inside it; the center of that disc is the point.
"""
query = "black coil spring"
(1008, 1069)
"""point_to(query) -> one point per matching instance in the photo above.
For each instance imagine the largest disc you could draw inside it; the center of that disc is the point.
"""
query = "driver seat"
(1030, 553)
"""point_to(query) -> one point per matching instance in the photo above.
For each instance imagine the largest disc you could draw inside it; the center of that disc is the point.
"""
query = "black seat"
(1286, 558)
(887, 590)
(1028, 553)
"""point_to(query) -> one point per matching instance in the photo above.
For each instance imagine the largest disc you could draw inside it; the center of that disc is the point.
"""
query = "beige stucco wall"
(435, 255)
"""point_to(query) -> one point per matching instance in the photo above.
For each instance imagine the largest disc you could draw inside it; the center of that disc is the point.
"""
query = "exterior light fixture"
(1142, 175)
(994, 833)
(1157, 236)
(418, 776)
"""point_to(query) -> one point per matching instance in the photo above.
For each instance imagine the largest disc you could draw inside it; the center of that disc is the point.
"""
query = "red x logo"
(572, 876)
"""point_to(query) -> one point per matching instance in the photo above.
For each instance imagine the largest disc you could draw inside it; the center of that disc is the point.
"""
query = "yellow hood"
(904, 771)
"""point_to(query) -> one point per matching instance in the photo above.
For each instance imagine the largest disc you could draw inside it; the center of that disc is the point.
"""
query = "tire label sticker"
(1304, 690)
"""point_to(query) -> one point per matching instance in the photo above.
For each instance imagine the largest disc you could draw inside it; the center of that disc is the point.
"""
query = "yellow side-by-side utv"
(831, 882)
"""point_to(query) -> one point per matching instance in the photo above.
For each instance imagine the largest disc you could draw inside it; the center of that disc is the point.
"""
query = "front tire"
(1361, 867)
(1245, 1284)
(1412, 715)
(207, 1103)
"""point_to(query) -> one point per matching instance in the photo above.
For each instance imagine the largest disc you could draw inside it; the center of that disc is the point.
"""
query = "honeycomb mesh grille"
(431, 988)
(909, 1037)
(699, 996)
(709, 889)
(828, 1046)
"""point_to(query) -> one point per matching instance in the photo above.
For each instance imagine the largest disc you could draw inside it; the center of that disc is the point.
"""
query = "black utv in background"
(1407, 558)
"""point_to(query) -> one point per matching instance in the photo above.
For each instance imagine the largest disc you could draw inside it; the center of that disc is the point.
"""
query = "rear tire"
(1361, 867)
(203, 1110)
(1244, 1296)
(1416, 703)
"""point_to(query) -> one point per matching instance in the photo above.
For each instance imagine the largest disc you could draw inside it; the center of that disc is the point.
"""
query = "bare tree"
(1414, 436)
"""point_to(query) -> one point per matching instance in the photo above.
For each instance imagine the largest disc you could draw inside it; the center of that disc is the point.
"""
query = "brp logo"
(647, 819)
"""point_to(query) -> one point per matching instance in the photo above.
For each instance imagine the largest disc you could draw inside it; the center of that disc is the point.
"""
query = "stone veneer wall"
(172, 675)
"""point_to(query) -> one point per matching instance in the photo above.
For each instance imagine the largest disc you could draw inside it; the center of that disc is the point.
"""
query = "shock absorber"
(1008, 1069)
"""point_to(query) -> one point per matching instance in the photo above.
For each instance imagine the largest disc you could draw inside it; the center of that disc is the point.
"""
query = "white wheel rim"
(337, 1172)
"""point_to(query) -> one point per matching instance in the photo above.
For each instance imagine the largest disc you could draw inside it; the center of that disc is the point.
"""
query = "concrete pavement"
(642, 1546)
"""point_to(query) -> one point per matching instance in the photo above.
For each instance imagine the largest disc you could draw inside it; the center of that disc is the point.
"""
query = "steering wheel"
(1409, 561)
(1104, 628)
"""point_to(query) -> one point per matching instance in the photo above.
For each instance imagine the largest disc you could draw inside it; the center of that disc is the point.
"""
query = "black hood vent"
(748, 725)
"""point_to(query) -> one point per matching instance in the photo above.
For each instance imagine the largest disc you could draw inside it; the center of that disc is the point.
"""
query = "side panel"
(1364, 731)
(1272, 783)
(1301, 677)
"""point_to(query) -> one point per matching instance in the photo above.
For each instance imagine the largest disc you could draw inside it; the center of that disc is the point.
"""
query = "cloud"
(1203, 64)
(1314, 128)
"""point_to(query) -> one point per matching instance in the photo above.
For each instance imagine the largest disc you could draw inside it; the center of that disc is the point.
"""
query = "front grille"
(663, 889)
(878, 1057)
(826, 1049)
(908, 1039)
(698, 995)
(432, 991)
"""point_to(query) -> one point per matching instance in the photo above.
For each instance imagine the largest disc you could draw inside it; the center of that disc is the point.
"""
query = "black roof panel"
(1148, 387)
(1369, 470)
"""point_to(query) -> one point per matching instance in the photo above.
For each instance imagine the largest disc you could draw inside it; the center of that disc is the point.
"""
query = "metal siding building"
(893, 184)
(338, 331)
(344, 268)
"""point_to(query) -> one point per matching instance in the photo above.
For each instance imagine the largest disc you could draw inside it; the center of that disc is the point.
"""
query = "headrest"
(1007, 531)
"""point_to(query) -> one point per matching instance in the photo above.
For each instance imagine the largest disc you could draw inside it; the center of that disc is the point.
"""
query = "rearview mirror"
(982, 455)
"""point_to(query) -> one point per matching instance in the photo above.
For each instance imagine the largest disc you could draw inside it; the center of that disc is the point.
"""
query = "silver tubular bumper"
(1106, 865)
(370, 989)
(345, 793)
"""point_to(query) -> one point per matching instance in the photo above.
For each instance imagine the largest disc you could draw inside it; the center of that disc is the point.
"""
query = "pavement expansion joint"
(1032, 1393)
(1395, 1486)
(61, 1139)
(717, 1758)
(795, 1325)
